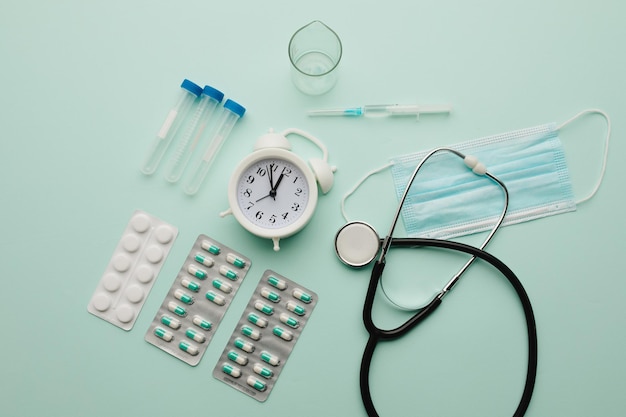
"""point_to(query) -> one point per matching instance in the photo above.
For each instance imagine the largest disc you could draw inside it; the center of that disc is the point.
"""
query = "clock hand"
(278, 183)
(270, 175)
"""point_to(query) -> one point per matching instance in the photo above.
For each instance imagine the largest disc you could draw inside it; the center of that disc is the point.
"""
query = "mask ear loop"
(606, 147)
(358, 184)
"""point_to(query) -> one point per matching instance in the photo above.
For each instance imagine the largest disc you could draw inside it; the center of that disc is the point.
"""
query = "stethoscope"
(357, 244)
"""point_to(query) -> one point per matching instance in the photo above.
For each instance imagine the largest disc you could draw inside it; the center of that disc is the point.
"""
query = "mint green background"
(86, 85)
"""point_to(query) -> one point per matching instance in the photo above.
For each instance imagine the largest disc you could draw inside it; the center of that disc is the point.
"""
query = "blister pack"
(265, 335)
(198, 299)
(132, 270)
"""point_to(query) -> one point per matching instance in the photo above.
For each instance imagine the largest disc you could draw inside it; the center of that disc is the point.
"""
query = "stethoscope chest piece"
(357, 244)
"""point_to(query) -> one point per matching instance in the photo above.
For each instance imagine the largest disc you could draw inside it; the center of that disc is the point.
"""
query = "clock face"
(273, 193)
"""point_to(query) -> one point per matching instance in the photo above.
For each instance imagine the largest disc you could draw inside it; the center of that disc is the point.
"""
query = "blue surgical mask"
(447, 201)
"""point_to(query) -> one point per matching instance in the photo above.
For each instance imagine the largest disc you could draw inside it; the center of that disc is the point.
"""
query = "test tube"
(232, 112)
(189, 92)
(209, 99)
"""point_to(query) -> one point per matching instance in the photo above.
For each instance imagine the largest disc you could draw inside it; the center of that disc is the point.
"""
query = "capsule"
(235, 260)
(263, 371)
(163, 334)
(276, 282)
(228, 273)
(250, 332)
(204, 260)
(210, 247)
(189, 348)
(289, 321)
(236, 357)
(194, 335)
(176, 309)
(197, 272)
(243, 345)
(264, 308)
(216, 298)
(170, 322)
(295, 308)
(190, 285)
(301, 295)
(256, 384)
(185, 298)
(202, 323)
(269, 358)
(222, 286)
(282, 333)
(270, 295)
(259, 321)
(231, 370)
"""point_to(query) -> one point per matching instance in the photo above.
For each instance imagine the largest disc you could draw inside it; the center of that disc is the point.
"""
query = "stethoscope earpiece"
(357, 244)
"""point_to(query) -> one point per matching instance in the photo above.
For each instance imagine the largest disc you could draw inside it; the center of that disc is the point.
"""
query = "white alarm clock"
(272, 192)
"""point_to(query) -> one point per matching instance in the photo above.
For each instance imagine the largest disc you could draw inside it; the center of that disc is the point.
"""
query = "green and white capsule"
(269, 358)
(233, 259)
(202, 323)
(170, 322)
(256, 384)
(276, 282)
(259, 321)
(216, 298)
(190, 285)
(189, 348)
(301, 295)
(282, 333)
(243, 345)
(182, 296)
(250, 332)
(270, 295)
(222, 286)
(163, 334)
(295, 308)
(263, 371)
(176, 309)
(231, 370)
(210, 247)
(237, 358)
(264, 308)
(197, 272)
(289, 321)
(195, 336)
(204, 260)
(228, 273)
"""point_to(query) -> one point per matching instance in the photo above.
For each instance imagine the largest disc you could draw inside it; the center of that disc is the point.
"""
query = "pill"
(144, 274)
(140, 223)
(163, 334)
(164, 234)
(295, 308)
(216, 298)
(264, 308)
(289, 321)
(262, 370)
(243, 345)
(131, 243)
(255, 383)
(250, 332)
(196, 272)
(111, 282)
(189, 348)
(202, 323)
(301, 295)
(134, 293)
(270, 295)
(206, 261)
(154, 254)
(231, 370)
(194, 335)
(233, 259)
(101, 302)
(209, 247)
(259, 321)
(185, 298)
(236, 357)
(269, 358)
(170, 322)
(121, 263)
(176, 309)
(190, 285)
(222, 286)
(232, 275)
(276, 282)
(125, 314)
(282, 333)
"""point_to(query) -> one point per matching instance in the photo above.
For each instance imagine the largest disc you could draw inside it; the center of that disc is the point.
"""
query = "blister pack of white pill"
(265, 335)
(132, 270)
(198, 299)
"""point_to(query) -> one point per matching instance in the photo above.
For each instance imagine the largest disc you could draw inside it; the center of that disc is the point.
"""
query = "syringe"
(383, 110)
(232, 112)
(189, 92)
(209, 100)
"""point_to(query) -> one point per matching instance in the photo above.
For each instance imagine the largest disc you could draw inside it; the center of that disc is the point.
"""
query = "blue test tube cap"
(235, 107)
(213, 93)
(192, 87)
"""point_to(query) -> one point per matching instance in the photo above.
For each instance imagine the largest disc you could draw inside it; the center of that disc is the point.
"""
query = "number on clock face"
(272, 193)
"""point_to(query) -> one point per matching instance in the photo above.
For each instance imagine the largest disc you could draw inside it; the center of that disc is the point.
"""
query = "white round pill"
(154, 254)
(131, 243)
(164, 234)
(111, 282)
(121, 263)
(125, 314)
(140, 223)
(101, 302)
(144, 274)
(134, 293)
